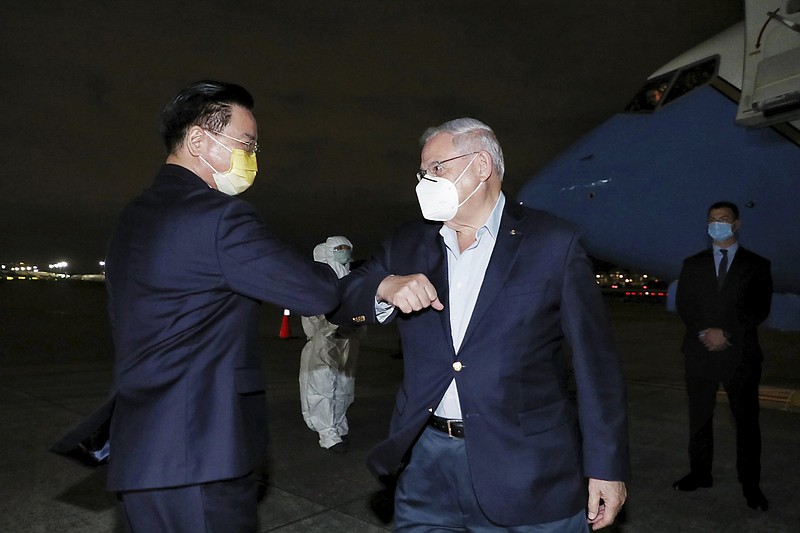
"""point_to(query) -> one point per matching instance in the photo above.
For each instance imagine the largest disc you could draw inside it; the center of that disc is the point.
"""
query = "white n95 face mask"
(438, 197)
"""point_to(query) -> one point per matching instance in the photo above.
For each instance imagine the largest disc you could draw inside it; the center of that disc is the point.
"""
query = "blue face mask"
(720, 231)
(342, 256)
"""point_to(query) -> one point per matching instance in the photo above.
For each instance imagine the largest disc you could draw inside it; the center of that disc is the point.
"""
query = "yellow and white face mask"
(240, 176)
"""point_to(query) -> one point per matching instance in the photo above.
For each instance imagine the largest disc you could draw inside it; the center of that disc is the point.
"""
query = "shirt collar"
(492, 224)
(731, 249)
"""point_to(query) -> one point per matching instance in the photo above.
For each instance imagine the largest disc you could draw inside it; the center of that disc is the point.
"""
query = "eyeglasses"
(437, 168)
(251, 147)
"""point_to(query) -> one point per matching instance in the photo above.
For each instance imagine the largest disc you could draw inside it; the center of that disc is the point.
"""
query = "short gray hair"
(470, 134)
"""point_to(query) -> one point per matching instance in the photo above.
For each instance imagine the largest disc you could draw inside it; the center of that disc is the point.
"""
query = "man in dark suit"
(484, 435)
(724, 293)
(185, 270)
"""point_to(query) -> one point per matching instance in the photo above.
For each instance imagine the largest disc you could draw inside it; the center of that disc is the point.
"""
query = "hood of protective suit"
(323, 253)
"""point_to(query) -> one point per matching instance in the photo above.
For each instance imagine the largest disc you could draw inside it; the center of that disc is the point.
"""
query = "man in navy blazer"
(186, 270)
(484, 434)
(724, 293)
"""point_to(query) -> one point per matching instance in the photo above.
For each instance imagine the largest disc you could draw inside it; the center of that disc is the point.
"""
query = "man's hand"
(613, 494)
(714, 339)
(409, 293)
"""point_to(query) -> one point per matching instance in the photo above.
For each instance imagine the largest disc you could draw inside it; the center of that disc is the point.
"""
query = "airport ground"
(55, 367)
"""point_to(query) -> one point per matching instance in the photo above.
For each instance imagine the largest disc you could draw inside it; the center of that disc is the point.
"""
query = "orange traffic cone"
(286, 331)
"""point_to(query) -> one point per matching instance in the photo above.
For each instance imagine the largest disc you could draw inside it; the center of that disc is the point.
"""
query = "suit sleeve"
(688, 310)
(255, 263)
(357, 292)
(602, 402)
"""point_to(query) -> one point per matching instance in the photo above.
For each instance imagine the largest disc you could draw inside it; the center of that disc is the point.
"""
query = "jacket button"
(457, 366)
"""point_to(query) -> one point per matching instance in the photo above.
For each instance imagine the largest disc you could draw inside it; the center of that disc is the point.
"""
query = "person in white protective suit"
(328, 360)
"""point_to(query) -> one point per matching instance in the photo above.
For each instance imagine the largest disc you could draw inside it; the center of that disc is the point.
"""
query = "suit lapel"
(506, 247)
(734, 268)
(434, 250)
(709, 269)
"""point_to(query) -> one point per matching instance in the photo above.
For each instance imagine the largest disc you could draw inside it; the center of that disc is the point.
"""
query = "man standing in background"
(724, 293)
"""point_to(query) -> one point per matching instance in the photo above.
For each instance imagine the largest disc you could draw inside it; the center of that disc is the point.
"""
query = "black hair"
(206, 104)
(724, 205)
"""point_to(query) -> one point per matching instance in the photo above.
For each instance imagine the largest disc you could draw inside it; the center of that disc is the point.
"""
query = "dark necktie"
(723, 267)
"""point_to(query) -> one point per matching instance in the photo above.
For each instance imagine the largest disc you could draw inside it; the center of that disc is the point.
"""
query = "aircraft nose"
(571, 189)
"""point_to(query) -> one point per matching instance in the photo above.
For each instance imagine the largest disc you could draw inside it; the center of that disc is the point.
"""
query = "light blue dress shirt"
(465, 272)
(718, 256)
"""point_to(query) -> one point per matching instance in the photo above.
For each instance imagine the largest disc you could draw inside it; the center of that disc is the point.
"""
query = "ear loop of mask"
(462, 174)
(219, 143)
(208, 164)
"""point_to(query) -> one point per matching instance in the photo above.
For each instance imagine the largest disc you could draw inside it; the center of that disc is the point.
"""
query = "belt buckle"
(449, 429)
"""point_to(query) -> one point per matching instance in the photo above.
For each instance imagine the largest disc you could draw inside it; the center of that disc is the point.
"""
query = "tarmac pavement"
(55, 368)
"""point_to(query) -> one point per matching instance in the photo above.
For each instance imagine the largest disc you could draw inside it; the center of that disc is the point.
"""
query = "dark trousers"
(434, 493)
(222, 506)
(742, 391)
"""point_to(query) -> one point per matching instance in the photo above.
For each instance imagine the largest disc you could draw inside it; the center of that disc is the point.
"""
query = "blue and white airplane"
(720, 122)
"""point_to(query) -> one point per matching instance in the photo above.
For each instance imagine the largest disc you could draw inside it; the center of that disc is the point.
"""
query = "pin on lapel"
(515, 232)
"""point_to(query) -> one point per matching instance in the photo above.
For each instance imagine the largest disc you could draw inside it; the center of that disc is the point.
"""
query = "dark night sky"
(343, 91)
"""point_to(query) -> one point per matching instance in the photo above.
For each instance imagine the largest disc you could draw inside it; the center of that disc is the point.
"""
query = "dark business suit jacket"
(738, 308)
(185, 271)
(526, 459)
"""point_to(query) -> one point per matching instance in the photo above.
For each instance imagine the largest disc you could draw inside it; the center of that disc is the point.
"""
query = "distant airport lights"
(20, 270)
(61, 265)
(656, 294)
(631, 286)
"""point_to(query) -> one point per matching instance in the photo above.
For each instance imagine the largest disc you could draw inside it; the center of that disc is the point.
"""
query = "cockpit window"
(652, 94)
(664, 89)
